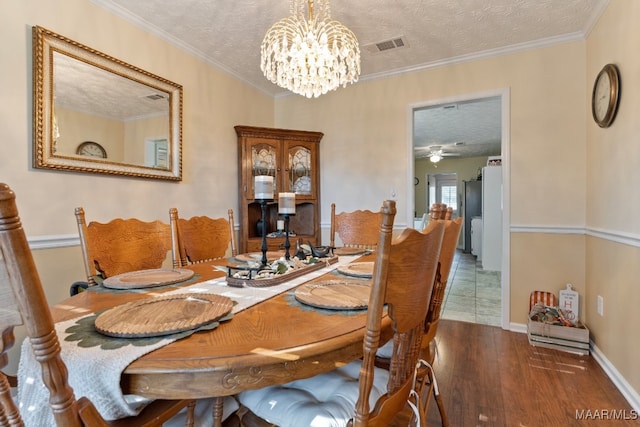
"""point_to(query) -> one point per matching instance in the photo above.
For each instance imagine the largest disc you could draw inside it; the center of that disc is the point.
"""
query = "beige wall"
(124, 142)
(548, 261)
(612, 205)
(137, 132)
(213, 103)
(612, 272)
(78, 127)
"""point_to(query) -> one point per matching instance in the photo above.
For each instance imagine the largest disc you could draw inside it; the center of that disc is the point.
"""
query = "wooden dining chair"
(356, 229)
(425, 374)
(440, 211)
(449, 214)
(447, 254)
(121, 246)
(359, 392)
(201, 238)
(22, 301)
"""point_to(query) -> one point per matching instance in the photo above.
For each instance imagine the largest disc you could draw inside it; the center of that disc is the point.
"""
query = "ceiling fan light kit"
(311, 56)
(435, 153)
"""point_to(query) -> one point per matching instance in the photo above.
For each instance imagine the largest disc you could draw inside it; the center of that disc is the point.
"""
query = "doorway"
(443, 188)
(445, 166)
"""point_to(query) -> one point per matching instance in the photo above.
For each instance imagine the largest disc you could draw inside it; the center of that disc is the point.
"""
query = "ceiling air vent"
(386, 45)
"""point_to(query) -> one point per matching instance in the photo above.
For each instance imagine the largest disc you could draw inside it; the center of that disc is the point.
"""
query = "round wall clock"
(91, 149)
(606, 94)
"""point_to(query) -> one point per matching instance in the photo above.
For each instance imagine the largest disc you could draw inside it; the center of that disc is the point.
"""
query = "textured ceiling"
(80, 87)
(461, 129)
(228, 33)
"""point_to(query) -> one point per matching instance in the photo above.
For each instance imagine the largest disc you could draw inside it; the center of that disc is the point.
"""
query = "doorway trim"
(504, 94)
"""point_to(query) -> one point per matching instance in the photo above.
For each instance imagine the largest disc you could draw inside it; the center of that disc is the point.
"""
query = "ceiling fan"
(435, 153)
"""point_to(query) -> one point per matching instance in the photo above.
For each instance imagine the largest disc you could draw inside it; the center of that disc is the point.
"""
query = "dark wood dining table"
(273, 342)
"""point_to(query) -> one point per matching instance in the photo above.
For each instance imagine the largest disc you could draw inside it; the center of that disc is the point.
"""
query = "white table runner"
(249, 295)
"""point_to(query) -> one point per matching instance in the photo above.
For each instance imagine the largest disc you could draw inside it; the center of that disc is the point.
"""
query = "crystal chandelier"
(310, 57)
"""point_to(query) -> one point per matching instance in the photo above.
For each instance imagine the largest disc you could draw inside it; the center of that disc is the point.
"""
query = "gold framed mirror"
(94, 113)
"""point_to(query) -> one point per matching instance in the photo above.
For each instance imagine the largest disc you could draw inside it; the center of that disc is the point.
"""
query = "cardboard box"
(565, 338)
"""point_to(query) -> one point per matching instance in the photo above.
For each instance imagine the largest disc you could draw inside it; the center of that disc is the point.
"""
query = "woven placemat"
(156, 316)
(335, 294)
(357, 269)
(147, 278)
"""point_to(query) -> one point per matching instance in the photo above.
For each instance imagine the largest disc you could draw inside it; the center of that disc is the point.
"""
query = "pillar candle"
(263, 187)
(280, 224)
(287, 203)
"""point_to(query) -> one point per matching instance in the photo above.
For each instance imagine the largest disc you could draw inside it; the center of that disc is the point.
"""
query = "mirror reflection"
(94, 113)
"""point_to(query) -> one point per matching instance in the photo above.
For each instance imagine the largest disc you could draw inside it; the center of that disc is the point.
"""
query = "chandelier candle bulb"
(263, 187)
(287, 203)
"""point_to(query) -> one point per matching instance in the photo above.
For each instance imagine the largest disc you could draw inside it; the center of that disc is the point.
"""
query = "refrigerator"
(492, 218)
(471, 208)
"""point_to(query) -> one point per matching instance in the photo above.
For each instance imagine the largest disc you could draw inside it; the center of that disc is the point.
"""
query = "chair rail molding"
(631, 239)
(616, 236)
(53, 241)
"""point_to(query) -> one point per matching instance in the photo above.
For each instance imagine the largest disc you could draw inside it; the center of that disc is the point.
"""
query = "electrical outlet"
(600, 305)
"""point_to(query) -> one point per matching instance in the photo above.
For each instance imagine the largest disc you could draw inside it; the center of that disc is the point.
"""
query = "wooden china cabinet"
(292, 158)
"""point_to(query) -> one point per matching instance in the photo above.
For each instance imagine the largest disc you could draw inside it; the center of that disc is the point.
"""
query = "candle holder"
(263, 207)
(287, 244)
(286, 207)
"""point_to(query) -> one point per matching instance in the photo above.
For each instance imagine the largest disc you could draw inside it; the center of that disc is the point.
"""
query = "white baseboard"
(518, 327)
(621, 384)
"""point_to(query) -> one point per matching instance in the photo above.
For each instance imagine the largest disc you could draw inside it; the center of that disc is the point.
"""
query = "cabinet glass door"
(264, 161)
(300, 175)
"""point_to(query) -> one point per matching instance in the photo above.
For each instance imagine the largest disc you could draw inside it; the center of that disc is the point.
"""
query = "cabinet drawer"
(255, 245)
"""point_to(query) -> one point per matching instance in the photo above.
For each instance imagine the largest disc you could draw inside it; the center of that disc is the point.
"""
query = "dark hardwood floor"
(491, 377)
